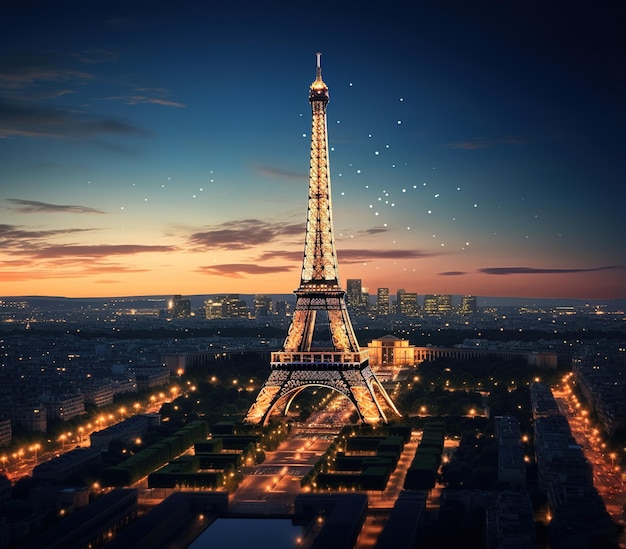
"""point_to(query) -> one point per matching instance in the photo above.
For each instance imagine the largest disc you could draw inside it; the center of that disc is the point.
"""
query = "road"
(607, 478)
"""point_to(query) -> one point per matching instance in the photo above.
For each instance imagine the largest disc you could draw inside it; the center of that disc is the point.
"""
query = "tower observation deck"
(342, 365)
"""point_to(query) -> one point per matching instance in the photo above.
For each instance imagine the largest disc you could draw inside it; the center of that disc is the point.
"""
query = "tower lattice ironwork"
(341, 365)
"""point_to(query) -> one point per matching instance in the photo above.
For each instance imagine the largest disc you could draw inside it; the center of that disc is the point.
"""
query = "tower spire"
(340, 365)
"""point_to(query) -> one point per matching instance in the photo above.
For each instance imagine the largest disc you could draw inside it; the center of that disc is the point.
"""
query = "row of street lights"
(100, 422)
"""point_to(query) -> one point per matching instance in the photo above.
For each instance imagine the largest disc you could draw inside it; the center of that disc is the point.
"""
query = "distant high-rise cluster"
(229, 306)
(437, 303)
(406, 303)
(226, 306)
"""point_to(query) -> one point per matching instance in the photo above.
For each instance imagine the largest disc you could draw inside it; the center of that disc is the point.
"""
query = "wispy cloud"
(351, 256)
(154, 96)
(95, 250)
(453, 273)
(279, 173)
(486, 143)
(10, 272)
(46, 122)
(358, 256)
(375, 230)
(533, 270)
(239, 270)
(32, 206)
(243, 234)
(16, 238)
(23, 71)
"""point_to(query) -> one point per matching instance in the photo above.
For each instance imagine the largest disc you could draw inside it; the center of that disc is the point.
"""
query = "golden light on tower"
(342, 366)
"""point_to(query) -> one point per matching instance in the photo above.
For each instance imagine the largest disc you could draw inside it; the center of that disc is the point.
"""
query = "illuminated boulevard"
(607, 476)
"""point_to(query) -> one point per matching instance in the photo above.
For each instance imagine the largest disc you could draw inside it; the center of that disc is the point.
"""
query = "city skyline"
(166, 151)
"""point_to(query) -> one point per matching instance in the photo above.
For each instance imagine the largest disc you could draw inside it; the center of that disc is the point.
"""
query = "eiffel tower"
(341, 365)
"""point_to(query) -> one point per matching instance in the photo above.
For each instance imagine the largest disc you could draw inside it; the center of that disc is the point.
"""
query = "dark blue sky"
(477, 147)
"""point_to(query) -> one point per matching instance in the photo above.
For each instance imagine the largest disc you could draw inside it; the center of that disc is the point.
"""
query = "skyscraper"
(179, 307)
(382, 302)
(354, 297)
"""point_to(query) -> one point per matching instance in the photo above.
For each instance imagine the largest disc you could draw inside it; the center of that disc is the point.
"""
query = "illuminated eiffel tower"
(341, 365)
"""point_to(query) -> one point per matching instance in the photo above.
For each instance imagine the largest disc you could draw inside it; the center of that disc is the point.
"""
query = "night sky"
(163, 147)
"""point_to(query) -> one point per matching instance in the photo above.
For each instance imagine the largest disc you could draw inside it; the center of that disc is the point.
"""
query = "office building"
(407, 304)
(437, 303)
(468, 305)
(382, 302)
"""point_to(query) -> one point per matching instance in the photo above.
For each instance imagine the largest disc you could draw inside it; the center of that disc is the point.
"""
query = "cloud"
(357, 256)
(532, 270)
(137, 99)
(486, 143)
(243, 234)
(453, 273)
(375, 230)
(32, 206)
(238, 270)
(351, 256)
(46, 122)
(21, 71)
(62, 269)
(15, 237)
(94, 251)
(269, 171)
